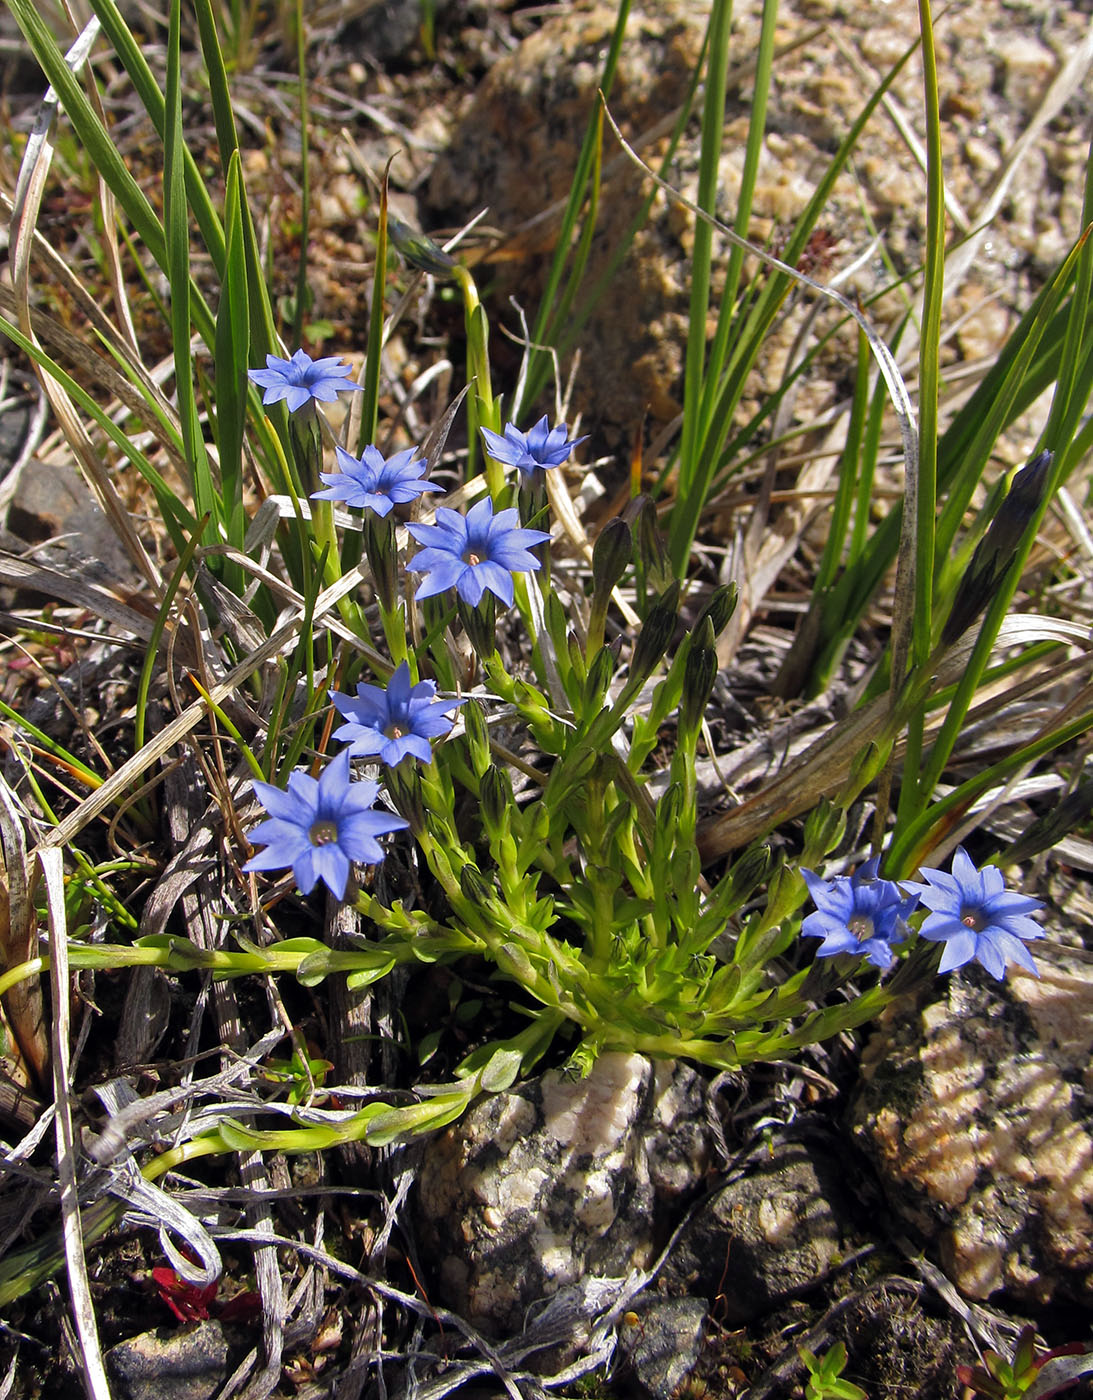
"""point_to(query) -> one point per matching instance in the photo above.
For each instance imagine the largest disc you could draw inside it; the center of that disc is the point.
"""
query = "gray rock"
(663, 1343)
(765, 1235)
(537, 1188)
(976, 1110)
(53, 506)
(189, 1364)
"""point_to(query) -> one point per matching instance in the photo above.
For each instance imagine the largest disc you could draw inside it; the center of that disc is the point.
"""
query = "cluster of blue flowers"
(320, 827)
(971, 912)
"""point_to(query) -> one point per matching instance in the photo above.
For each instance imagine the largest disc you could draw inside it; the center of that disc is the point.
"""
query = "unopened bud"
(478, 736)
(719, 608)
(824, 829)
(656, 633)
(475, 886)
(599, 678)
(650, 551)
(699, 674)
(420, 251)
(495, 797)
(610, 556)
(995, 551)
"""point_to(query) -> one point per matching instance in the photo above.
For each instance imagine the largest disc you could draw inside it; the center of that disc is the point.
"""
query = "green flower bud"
(475, 886)
(478, 736)
(598, 679)
(656, 633)
(719, 608)
(824, 829)
(650, 551)
(419, 251)
(610, 555)
(699, 674)
(495, 797)
(995, 551)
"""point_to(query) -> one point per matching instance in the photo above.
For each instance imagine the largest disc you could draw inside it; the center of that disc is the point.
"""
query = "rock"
(515, 147)
(976, 1112)
(765, 1235)
(537, 1188)
(663, 1342)
(191, 1363)
(52, 503)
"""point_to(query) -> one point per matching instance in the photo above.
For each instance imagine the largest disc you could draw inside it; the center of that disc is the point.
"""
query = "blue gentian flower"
(374, 482)
(300, 380)
(540, 446)
(320, 826)
(393, 722)
(473, 553)
(976, 917)
(857, 914)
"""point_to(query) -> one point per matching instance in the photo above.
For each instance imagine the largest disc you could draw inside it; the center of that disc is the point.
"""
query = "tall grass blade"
(177, 225)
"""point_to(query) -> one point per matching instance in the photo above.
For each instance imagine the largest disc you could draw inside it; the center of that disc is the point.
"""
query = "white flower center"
(861, 927)
(323, 833)
(972, 918)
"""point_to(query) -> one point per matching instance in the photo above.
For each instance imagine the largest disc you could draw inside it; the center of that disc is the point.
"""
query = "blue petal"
(496, 579)
(959, 949)
(331, 864)
(989, 955)
(443, 574)
(472, 584)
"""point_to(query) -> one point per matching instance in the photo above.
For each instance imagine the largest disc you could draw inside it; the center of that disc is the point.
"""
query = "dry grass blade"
(828, 761)
(120, 782)
(18, 937)
(82, 1306)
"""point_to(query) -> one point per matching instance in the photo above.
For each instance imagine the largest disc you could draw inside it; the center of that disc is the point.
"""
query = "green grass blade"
(540, 363)
(696, 388)
(751, 329)
(303, 292)
(756, 134)
(177, 226)
(232, 357)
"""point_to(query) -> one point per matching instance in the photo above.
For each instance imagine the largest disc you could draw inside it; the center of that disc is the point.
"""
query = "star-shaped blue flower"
(857, 914)
(540, 446)
(301, 380)
(374, 482)
(976, 917)
(321, 826)
(393, 722)
(473, 553)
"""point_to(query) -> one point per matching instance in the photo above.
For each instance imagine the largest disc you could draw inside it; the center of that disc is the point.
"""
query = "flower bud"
(656, 633)
(610, 556)
(475, 886)
(699, 674)
(495, 797)
(478, 737)
(995, 551)
(650, 551)
(419, 251)
(719, 608)
(598, 679)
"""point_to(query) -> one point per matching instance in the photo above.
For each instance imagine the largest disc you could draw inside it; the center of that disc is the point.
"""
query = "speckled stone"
(976, 1110)
(769, 1233)
(514, 148)
(537, 1188)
